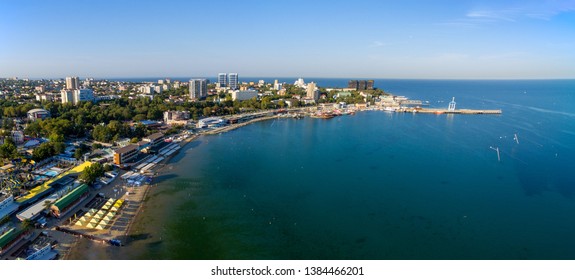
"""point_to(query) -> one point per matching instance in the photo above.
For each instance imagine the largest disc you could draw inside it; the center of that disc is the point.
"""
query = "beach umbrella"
(106, 207)
(79, 223)
(92, 211)
(84, 218)
(99, 227)
(89, 226)
(111, 200)
(106, 219)
(114, 209)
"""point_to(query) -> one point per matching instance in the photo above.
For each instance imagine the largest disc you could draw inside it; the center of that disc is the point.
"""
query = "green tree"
(8, 150)
(45, 150)
(33, 129)
(92, 172)
(54, 137)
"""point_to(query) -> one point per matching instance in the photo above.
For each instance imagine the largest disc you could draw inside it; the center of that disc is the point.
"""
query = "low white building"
(210, 122)
(244, 94)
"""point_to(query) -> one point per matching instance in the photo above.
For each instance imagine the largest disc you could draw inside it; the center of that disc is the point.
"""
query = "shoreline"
(74, 245)
(71, 247)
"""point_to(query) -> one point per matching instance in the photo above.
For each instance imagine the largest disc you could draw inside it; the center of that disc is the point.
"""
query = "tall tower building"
(222, 80)
(233, 81)
(67, 96)
(198, 88)
(72, 83)
(369, 84)
(312, 92)
(353, 84)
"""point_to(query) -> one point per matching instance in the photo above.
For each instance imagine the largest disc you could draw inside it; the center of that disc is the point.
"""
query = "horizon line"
(283, 77)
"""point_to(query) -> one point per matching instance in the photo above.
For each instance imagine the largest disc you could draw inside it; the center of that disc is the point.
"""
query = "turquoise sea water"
(378, 185)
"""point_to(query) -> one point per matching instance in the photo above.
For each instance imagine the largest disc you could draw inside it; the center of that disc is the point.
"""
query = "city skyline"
(369, 39)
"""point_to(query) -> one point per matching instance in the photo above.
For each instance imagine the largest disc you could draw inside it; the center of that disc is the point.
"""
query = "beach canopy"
(92, 211)
(99, 227)
(79, 223)
(106, 219)
(101, 212)
(106, 207)
(89, 226)
(83, 219)
(104, 223)
(111, 200)
(113, 209)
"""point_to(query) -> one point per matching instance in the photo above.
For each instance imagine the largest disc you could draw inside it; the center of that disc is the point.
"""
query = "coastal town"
(79, 157)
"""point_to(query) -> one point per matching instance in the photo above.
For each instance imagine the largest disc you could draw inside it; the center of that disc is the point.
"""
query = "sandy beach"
(78, 248)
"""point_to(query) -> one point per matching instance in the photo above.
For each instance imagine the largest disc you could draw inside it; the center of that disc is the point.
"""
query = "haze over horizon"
(371, 39)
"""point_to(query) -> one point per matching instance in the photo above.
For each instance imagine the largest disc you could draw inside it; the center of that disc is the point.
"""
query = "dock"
(457, 111)
(451, 110)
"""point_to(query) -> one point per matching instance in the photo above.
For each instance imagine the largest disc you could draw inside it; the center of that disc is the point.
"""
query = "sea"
(377, 185)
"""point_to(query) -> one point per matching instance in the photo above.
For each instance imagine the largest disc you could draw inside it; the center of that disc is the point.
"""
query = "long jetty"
(458, 111)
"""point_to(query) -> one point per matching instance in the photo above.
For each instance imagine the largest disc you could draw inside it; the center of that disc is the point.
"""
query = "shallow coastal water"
(377, 185)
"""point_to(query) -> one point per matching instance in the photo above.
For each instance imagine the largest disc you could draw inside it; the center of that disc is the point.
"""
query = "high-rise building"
(222, 80)
(352, 84)
(233, 81)
(67, 96)
(312, 92)
(198, 88)
(81, 95)
(72, 83)
(76, 96)
(277, 85)
(360, 85)
(369, 84)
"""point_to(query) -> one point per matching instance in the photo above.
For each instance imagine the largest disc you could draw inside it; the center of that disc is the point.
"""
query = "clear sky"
(348, 39)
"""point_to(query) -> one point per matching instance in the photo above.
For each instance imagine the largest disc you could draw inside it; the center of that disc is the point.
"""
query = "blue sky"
(348, 39)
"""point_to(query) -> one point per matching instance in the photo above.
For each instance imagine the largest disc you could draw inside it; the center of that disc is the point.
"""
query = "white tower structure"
(451, 105)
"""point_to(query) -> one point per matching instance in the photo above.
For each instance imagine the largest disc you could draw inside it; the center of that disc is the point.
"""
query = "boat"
(324, 115)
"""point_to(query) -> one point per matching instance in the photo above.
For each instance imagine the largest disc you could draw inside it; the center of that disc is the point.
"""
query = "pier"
(457, 111)
(451, 110)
